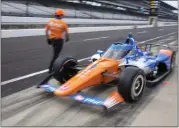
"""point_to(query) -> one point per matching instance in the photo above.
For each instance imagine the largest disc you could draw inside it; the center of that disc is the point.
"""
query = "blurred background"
(134, 10)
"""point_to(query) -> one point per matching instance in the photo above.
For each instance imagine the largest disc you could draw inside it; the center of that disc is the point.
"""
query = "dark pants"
(57, 47)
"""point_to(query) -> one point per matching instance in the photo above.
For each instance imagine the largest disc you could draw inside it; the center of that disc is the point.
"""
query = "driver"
(130, 40)
(136, 50)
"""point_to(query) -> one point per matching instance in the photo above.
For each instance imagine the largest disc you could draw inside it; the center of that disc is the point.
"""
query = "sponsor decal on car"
(93, 101)
(87, 99)
(48, 88)
(79, 97)
(51, 89)
(45, 86)
(64, 87)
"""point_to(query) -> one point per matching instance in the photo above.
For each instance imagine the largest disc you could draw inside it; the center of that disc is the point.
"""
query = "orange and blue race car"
(120, 65)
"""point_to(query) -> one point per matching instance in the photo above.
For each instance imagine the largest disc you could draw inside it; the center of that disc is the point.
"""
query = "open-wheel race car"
(125, 65)
(156, 60)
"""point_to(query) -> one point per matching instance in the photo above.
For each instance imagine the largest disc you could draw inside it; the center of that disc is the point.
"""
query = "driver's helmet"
(130, 35)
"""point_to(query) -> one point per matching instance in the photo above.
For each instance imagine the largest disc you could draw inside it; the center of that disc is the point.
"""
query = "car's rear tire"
(131, 84)
(63, 68)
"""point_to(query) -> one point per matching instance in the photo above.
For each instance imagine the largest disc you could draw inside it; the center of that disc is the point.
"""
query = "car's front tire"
(131, 84)
(63, 68)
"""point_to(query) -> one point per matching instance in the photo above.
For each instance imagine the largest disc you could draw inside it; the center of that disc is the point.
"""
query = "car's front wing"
(112, 100)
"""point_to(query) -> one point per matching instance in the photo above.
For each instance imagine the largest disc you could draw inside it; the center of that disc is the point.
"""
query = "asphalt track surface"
(33, 107)
(25, 55)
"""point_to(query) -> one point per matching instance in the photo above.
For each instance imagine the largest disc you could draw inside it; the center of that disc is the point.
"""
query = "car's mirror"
(100, 52)
(95, 57)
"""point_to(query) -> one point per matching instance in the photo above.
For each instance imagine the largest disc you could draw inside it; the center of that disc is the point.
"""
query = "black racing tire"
(172, 65)
(62, 68)
(132, 82)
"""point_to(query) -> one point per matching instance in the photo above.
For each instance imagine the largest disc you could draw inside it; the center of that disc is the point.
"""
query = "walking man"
(57, 34)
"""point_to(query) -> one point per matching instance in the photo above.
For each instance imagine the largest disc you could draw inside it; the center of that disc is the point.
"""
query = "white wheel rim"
(137, 86)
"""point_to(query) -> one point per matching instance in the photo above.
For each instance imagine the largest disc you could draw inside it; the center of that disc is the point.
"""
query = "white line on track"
(96, 38)
(173, 43)
(161, 29)
(157, 37)
(46, 70)
(32, 74)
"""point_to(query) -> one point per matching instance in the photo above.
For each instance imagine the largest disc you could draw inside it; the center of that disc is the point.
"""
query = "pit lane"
(32, 107)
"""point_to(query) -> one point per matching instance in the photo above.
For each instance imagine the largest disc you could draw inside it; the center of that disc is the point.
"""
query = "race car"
(154, 59)
(157, 62)
(123, 65)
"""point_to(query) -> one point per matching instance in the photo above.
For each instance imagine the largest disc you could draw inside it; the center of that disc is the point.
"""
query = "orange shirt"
(57, 29)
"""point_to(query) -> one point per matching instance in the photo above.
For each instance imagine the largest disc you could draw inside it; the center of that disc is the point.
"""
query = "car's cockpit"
(117, 51)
